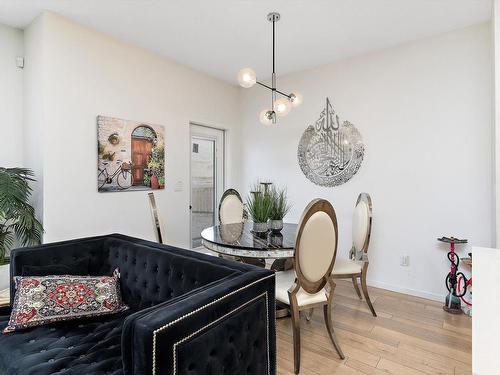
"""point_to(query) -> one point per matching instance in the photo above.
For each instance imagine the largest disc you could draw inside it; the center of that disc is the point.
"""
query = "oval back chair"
(361, 226)
(231, 207)
(310, 284)
(357, 265)
(316, 245)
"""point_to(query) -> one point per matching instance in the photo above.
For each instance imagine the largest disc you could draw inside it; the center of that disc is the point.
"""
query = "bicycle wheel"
(124, 179)
(101, 179)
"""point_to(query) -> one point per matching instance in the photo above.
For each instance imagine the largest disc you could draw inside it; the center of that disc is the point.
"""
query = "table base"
(282, 310)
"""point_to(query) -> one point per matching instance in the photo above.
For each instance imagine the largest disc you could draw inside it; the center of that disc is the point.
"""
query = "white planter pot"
(4, 276)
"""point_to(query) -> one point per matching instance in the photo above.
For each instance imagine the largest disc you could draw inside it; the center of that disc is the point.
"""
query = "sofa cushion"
(88, 346)
(41, 300)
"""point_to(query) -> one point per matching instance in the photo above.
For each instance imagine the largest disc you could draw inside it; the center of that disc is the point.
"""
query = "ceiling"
(219, 37)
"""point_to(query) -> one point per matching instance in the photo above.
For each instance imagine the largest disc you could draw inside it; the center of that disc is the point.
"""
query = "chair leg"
(327, 312)
(296, 337)
(365, 293)
(356, 287)
(309, 314)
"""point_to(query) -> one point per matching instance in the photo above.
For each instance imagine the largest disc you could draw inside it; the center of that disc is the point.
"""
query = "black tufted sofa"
(189, 314)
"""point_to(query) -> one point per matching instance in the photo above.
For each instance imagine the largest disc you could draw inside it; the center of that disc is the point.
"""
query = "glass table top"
(239, 239)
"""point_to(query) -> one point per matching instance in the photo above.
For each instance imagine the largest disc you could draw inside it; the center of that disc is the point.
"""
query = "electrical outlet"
(405, 260)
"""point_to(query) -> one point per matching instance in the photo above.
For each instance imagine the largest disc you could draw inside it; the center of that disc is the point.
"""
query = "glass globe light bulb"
(296, 99)
(266, 117)
(282, 106)
(247, 78)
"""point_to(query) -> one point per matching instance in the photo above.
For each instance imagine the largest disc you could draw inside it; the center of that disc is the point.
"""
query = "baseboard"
(413, 292)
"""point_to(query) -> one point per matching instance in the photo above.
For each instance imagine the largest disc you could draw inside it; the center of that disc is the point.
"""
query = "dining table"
(239, 242)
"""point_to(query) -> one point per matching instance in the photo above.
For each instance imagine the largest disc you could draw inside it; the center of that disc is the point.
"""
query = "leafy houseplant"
(279, 209)
(114, 139)
(108, 155)
(17, 216)
(147, 179)
(259, 205)
(156, 165)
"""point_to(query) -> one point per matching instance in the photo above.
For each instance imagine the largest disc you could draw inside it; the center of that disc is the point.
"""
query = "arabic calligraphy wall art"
(330, 152)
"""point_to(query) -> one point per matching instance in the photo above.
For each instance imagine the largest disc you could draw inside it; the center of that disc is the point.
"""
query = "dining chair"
(310, 283)
(158, 226)
(231, 207)
(357, 265)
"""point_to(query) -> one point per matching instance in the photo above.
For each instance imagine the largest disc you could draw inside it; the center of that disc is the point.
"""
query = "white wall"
(495, 22)
(85, 74)
(424, 111)
(11, 97)
(33, 143)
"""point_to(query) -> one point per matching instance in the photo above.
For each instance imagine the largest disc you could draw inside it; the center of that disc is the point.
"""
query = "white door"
(207, 178)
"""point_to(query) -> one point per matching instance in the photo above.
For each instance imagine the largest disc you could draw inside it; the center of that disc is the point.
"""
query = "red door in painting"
(141, 152)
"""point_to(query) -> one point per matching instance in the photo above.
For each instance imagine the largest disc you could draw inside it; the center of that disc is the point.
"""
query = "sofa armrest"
(224, 328)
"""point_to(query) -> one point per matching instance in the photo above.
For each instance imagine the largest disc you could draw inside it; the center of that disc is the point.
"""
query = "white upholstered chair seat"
(284, 280)
(347, 266)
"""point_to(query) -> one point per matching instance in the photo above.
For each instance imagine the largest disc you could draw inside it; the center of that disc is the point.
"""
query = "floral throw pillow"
(41, 300)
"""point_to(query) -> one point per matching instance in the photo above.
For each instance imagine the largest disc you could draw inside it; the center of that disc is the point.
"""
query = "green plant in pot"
(146, 179)
(17, 216)
(279, 209)
(156, 165)
(259, 206)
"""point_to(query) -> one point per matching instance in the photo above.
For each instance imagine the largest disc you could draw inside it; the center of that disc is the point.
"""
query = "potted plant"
(114, 139)
(147, 179)
(156, 165)
(108, 155)
(259, 206)
(17, 216)
(161, 182)
(279, 209)
(154, 182)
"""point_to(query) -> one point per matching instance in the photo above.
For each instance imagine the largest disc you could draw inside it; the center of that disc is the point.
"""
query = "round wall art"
(330, 152)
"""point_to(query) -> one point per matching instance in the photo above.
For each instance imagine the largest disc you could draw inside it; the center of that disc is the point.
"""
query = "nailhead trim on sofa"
(162, 328)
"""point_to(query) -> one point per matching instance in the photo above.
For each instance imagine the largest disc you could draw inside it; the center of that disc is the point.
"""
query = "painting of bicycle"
(131, 155)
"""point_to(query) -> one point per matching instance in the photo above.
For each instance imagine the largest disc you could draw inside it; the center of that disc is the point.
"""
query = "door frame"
(219, 165)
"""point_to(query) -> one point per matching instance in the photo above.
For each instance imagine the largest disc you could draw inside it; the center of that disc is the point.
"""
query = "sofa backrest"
(153, 274)
(150, 273)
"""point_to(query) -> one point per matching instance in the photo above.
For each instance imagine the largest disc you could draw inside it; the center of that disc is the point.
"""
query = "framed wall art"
(330, 152)
(131, 155)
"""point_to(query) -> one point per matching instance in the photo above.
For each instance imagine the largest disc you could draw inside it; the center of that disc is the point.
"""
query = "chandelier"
(280, 106)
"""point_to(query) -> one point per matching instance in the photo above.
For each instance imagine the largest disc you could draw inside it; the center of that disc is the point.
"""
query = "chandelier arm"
(264, 85)
(270, 88)
(282, 93)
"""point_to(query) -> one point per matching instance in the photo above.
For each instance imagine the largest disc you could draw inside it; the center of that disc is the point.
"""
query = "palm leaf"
(17, 216)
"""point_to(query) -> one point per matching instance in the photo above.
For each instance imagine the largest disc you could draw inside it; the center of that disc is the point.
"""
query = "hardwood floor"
(411, 336)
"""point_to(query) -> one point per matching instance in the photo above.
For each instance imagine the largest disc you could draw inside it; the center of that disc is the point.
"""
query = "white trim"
(218, 320)
(162, 328)
(218, 136)
(413, 292)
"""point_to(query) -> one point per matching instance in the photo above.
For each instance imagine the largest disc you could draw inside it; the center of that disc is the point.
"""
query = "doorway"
(207, 178)
(143, 140)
